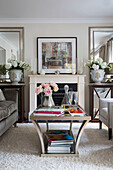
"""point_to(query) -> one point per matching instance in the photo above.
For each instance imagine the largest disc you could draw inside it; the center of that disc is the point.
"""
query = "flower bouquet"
(98, 64)
(97, 68)
(15, 69)
(46, 90)
(15, 64)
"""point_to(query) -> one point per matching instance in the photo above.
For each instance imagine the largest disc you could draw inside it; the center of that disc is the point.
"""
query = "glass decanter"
(66, 97)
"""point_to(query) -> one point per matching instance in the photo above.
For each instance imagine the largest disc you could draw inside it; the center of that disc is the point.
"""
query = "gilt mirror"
(11, 44)
(101, 43)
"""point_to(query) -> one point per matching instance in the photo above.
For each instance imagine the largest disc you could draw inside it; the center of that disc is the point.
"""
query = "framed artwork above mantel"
(57, 54)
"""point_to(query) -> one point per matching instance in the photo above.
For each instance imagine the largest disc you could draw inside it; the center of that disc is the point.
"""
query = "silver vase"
(48, 101)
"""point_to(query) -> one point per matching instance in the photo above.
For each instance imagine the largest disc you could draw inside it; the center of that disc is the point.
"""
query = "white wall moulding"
(56, 20)
(34, 79)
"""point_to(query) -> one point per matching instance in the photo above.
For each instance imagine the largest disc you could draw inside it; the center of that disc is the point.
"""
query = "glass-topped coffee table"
(83, 117)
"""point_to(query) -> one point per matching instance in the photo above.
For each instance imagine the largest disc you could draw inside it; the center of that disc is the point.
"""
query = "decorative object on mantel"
(15, 69)
(57, 72)
(80, 67)
(97, 68)
(73, 69)
(57, 54)
(42, 72)
(46, 90)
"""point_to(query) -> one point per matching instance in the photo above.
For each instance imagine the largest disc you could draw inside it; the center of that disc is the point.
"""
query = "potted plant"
(15, 69)
(97, 68)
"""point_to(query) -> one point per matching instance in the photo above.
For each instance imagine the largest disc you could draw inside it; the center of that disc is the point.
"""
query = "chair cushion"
(7, 108)
(104, 112)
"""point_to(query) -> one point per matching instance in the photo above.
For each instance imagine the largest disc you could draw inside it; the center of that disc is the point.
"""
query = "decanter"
(65, 98)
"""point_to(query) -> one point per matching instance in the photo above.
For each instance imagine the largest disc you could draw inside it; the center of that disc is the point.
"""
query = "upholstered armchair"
(106, 114)
(8, 110)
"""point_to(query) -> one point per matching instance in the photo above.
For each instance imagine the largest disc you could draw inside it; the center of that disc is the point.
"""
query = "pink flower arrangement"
(46, 89)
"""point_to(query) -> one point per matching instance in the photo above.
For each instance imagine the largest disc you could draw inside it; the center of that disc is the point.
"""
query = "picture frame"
(57, 54)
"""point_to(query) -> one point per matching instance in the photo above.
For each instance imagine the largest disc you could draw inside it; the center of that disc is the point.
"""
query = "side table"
(94, 95)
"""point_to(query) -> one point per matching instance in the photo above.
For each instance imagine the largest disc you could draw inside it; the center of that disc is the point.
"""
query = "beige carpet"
(19, 149)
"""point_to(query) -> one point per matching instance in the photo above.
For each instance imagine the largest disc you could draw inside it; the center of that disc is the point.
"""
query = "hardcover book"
(59, 137)
(44, 110)
(58, 151)
(46, 114)
(59, 147)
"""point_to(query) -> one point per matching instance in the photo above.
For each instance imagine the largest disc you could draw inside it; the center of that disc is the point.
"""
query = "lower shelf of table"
(60, 154)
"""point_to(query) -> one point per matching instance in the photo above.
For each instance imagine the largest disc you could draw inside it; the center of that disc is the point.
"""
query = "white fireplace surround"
(34, 79)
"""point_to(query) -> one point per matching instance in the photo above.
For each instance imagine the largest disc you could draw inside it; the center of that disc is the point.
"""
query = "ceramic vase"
(97, 75)
(15, 75)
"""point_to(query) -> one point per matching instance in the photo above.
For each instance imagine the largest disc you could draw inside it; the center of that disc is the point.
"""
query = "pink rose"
(43, 85)
(55, 88)
(47, 91)
(53, 84)
(46, 85)
(39, 90)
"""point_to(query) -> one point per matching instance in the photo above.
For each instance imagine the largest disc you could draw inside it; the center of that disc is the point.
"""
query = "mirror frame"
(21, 38)
(96, 27)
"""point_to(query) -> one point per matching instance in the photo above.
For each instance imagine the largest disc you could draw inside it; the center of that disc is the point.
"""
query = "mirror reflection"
(11, 45)
(2, 55)
(101, 43)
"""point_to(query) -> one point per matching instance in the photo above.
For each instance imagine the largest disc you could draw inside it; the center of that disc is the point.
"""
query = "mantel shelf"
(60, 75)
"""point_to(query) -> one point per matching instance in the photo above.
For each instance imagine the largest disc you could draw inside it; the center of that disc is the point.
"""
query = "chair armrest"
(103, 103)
(110, 114)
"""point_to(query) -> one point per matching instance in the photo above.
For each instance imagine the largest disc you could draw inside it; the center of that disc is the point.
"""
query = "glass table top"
(61, 111)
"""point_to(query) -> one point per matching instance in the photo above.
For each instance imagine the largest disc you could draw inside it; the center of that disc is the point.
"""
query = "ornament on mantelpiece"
(42, 72)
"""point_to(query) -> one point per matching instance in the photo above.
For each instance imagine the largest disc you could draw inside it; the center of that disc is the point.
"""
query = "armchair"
(8, 110)
(106, 114)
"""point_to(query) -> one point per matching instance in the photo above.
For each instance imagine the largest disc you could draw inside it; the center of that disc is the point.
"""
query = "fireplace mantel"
(34, 79)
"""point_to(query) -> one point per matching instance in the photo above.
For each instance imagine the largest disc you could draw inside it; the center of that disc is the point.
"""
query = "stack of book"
(59, 142)
(49, 111)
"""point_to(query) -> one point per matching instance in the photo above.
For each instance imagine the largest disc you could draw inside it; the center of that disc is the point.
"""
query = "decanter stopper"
(66, 88)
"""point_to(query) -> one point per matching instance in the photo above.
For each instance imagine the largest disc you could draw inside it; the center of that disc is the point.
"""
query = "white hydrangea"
(9, 60)
(21, 63)
(99, 60)
(7, 66)
(95, 67)
(104, 65)
(14, 63)
(97, 64)
(88, 63)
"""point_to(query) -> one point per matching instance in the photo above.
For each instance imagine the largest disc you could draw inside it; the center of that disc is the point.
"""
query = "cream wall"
(32, 31)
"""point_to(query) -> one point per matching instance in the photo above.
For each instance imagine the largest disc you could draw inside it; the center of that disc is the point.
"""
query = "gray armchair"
(106, 114)
(8, 110)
